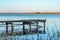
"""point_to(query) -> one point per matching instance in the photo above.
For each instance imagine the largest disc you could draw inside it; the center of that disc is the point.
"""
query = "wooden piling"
(37, 27)
(29, 27)
(44, 27)
(7, 28)
(23, 29)
(12, 28)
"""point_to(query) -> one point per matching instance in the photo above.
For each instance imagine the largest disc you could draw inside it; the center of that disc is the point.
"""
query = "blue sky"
(29, 5)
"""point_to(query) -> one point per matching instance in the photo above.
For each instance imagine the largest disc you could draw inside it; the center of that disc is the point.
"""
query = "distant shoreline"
(32, 13)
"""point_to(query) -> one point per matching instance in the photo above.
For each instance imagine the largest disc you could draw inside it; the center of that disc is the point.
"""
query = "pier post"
(6, 28)
(29, 27)
(12, 28)
(23, 29)
(37, 32)
(37, 27)
(44, 27)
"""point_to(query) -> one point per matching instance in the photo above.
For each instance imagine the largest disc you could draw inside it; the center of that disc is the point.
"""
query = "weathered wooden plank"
(23, 20)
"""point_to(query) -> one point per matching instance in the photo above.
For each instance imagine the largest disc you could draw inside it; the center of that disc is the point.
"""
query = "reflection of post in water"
(32, 36)
(26, 36)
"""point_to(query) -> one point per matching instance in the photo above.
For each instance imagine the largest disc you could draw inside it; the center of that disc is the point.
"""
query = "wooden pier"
(24, 31)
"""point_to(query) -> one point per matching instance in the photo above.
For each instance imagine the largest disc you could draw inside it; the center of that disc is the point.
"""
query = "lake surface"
(33, 15)
(52, 20)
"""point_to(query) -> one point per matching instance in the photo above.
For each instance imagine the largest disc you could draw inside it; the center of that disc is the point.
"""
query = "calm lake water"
(33, 15)
(52, 20)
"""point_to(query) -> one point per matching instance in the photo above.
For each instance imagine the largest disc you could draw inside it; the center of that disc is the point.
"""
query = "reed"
(55, 35)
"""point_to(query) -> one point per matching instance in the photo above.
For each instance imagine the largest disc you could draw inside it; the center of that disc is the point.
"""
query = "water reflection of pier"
(24, 30)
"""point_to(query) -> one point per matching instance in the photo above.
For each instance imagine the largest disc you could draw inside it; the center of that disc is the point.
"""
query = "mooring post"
(7, 28)
(12, 28)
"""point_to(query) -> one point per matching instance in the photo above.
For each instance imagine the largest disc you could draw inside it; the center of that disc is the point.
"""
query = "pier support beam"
(30, 27)
(12, 28)
(6, 28)
(37, 27)
(23, 29)
(44, 27)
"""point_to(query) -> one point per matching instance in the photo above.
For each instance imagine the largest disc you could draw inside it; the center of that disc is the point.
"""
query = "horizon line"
(31, 12)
